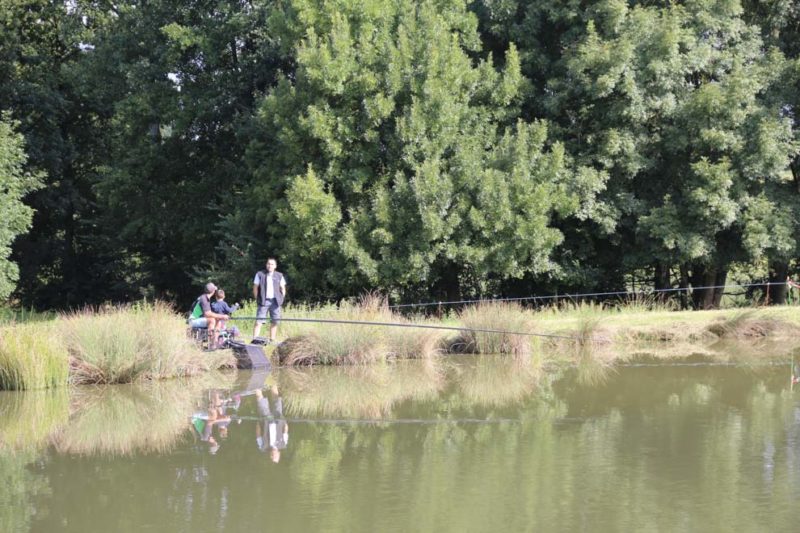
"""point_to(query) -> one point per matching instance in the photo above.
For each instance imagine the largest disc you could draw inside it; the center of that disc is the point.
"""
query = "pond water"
(476, 444)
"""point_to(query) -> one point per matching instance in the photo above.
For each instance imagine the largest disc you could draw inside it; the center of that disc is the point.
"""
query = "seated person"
(202, 316)
(220, 306)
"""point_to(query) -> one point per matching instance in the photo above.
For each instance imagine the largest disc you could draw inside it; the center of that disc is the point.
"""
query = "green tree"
(396, 145)
(15, 184)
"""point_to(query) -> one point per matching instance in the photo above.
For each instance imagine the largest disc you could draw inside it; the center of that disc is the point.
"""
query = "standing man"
(269, 290)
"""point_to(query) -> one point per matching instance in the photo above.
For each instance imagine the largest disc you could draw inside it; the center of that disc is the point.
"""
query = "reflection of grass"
(495, 316)
(27, 419)
(32, 356)
(358, 392)
(498, 382)
(119, 420)
(122, 345)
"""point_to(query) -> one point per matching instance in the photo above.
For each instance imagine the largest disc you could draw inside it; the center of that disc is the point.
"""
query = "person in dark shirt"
(220, 306)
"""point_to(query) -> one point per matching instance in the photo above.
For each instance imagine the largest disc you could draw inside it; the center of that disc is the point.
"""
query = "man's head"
(210, 288)
(275, 455)
(272, 264)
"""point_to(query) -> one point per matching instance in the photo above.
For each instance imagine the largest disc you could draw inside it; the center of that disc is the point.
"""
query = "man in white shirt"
(269, 290)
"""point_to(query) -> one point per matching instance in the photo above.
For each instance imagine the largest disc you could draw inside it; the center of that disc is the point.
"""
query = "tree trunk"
(684, 267)
(778, 273)
(720, 279)
(661, 281)
(703, 277)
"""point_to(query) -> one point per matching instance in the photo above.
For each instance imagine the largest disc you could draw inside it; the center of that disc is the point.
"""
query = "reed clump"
(125, 344)
(32, 356)
(503, 318)
(347, 344)
(748, 324)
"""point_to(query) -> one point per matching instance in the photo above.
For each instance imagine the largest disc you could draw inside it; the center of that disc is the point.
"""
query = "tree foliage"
(15, 184)
(433, 148)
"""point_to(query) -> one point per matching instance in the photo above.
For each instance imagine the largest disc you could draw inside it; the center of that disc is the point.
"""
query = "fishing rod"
(380, 420)
(419, 326)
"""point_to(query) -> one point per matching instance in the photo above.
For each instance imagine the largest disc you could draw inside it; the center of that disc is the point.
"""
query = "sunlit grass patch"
(125, 344)
(502, 317)
(349, 343)
(32, 356)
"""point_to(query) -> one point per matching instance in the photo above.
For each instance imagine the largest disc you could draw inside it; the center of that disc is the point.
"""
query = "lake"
(474, 444)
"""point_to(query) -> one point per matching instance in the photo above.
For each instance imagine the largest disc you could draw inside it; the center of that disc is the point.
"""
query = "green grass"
(126, 344)
(498, 316)
(320, 343)
(32, 356)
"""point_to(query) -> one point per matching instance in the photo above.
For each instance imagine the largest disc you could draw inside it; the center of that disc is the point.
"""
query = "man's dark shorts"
(270, 307)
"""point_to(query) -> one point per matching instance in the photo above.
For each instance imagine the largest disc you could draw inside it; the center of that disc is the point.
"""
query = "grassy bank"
(116, 345)
(148, 341)
(563, 332)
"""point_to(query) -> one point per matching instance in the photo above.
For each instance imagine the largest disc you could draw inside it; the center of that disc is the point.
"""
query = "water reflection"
(272, 431)
(472, 445)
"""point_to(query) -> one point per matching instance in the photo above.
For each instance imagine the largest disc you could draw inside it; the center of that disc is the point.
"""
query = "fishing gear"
(420, 326)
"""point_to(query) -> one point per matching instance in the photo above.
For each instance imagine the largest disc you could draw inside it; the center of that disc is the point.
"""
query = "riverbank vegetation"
(148, 342)
(114, 345)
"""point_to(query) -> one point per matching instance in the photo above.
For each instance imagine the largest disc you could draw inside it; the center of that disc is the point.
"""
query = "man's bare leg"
(256, 329)
(211, 333)
(273, 331)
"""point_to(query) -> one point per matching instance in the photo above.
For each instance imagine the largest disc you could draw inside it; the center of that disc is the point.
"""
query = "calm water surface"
(479, 444)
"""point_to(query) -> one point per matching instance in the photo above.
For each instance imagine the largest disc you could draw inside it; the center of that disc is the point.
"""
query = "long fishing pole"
(420, 326)
(380, 420)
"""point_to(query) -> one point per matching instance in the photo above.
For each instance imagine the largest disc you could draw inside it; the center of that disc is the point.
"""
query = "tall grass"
(125, 344)
(321, 343)
(499, 316)
(32, 356)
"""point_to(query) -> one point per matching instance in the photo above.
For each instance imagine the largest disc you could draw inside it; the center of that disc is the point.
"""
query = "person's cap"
(210, 287)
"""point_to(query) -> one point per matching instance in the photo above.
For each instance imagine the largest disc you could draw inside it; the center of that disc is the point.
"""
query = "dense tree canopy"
(436, 148)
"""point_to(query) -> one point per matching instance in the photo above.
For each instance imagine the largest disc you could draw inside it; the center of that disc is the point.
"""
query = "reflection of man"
(269, 290)
(273, 432)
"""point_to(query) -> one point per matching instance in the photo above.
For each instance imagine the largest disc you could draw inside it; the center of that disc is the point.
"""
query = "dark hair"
(219, 292)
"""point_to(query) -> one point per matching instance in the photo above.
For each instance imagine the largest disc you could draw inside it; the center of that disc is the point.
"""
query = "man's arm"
(255, 290)
(212, 314)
